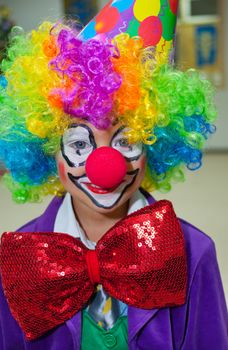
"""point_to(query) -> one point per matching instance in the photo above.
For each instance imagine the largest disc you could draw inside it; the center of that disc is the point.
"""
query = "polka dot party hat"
(152, 20)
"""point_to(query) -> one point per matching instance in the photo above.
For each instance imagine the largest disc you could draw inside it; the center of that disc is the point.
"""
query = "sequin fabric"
(141, 261)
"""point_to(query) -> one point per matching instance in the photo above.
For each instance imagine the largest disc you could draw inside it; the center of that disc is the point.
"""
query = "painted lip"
(99, 190)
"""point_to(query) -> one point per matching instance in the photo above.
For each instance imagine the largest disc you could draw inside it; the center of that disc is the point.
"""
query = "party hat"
(153, 20)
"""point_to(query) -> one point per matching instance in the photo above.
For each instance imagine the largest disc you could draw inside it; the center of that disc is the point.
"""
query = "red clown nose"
(106, 167)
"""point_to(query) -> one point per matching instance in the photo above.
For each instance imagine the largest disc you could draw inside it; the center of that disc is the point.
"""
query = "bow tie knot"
(93, 266)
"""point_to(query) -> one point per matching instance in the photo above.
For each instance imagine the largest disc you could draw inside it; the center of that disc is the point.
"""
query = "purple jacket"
(200, 324)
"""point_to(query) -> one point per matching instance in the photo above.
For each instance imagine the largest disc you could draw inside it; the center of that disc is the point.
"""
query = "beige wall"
(30, 13)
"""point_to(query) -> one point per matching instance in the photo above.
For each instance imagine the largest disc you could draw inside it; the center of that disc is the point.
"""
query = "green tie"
(94, 337)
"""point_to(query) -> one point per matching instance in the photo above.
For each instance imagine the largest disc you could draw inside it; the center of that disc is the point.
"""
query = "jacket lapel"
(46, 221)
(137, 318)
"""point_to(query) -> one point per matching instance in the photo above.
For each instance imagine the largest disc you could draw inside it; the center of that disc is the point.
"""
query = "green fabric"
(95, 337)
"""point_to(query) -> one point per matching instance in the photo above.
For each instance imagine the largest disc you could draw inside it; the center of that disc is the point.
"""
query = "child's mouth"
(99, 190)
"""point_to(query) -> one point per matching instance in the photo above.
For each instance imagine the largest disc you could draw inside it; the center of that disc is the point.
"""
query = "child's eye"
(81, 147)
(131, 151)
(80, 144)
(77, 144)
(122, 143)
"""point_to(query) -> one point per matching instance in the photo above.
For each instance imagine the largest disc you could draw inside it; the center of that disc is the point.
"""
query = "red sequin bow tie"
(48, 277)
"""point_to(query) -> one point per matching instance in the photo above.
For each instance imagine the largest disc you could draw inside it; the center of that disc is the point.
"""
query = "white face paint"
(77, 144)
(101, 197)
(129, 151)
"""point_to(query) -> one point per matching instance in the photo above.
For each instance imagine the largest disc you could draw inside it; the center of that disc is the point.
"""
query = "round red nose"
(106, 167)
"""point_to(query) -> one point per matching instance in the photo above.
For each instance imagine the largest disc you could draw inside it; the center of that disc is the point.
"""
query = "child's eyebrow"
(117, 132)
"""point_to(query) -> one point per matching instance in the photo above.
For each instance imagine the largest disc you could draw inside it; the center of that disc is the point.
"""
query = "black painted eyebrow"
(116, 133)
(90, 131)
(130, 159)
(75, 125)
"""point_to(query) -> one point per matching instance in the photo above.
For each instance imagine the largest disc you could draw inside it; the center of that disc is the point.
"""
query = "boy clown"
(97, 118)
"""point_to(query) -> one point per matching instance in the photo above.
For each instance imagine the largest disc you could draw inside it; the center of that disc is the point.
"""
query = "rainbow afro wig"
(52, 76)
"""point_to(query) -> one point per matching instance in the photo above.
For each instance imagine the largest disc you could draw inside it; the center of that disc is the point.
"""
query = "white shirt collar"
(66, 221)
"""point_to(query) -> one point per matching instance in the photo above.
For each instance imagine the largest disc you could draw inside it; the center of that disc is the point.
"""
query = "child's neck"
(96, 224)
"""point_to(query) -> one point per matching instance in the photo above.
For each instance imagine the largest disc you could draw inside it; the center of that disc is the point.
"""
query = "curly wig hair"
(50, 77)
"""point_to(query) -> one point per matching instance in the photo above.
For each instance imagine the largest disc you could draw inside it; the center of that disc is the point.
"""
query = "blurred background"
(202, 32)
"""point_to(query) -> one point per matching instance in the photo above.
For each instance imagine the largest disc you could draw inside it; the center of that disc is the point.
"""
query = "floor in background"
(202, 200)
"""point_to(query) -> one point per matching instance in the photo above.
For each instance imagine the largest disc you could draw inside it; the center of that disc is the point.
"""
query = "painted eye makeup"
(131, 151)
(77, 144)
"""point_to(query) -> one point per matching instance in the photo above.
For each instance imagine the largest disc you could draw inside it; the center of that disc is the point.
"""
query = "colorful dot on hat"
(173, 6)
(151, 30)
(107, 19)
(146, 8)
(133, 28)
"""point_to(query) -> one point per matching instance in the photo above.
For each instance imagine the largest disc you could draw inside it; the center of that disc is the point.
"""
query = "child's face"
(78, 143)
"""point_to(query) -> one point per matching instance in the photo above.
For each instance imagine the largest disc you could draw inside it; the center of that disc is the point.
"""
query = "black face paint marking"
(132, 159)
(117, 132)
(92, 141)
(64, 155)
(128, 159)
(74, 180)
